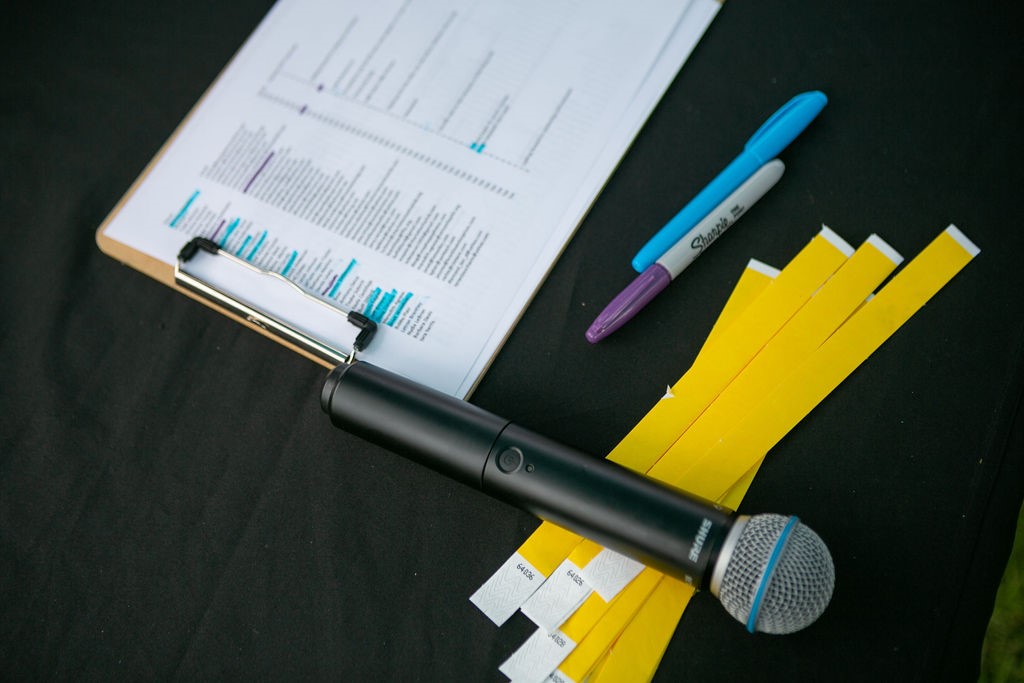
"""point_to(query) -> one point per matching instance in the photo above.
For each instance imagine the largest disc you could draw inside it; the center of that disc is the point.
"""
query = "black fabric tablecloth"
(173, 504)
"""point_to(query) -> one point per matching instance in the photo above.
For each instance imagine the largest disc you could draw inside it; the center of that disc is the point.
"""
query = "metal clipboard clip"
(261, 317)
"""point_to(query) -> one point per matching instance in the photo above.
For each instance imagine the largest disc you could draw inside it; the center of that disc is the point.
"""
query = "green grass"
(1002, 655)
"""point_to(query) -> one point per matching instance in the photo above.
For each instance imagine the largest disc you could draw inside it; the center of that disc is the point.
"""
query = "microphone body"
(662, 527)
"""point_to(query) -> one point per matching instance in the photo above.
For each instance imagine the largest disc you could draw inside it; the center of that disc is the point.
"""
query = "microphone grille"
(779, 577)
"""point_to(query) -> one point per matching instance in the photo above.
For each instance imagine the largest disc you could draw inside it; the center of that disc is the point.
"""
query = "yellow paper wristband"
(737, 344)
(594, 630)
(811, 325)
(740, 333)
(751, 438)
(755, 279)
(550, 544)
(639, 649)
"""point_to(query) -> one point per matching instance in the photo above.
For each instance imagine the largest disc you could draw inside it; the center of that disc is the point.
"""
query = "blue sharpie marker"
(771, 138)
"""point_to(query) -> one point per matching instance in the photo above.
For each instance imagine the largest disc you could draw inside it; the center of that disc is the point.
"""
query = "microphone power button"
(510, 460)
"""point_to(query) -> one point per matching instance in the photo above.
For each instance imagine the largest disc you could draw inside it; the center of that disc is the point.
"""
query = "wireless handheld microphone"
(770, 572)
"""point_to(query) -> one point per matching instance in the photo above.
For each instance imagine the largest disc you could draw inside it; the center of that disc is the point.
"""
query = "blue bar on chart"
(335, 284)
(398, 310)
(378, 304)
(184, 209)
(290, 263)
(368, 311)
(231, 228)
(245, 243)
(259, 243)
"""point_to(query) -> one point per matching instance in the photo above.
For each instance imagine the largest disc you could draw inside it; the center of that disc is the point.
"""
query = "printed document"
(424, 162)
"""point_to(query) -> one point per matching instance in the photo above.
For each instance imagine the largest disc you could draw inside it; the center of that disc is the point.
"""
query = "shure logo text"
(698, 543)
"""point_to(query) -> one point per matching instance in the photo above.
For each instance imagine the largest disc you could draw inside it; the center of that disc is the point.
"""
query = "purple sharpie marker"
(656, 277)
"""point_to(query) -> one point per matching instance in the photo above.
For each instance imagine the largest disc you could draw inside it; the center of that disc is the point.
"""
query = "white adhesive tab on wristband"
(535, 659)
(884, 247)
(837, 241)
(970, 247)
(609, 572)
(502, 594)
(560, 596)
(763, 268)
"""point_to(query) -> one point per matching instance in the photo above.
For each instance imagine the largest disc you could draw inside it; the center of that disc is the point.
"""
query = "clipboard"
(188, 275)
(420, 229)
(272, 324)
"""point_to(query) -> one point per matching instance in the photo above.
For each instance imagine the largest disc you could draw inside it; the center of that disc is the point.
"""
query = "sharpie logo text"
(702, 241)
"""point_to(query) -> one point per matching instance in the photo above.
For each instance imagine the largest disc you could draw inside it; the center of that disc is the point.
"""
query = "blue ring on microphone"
(773, 560)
